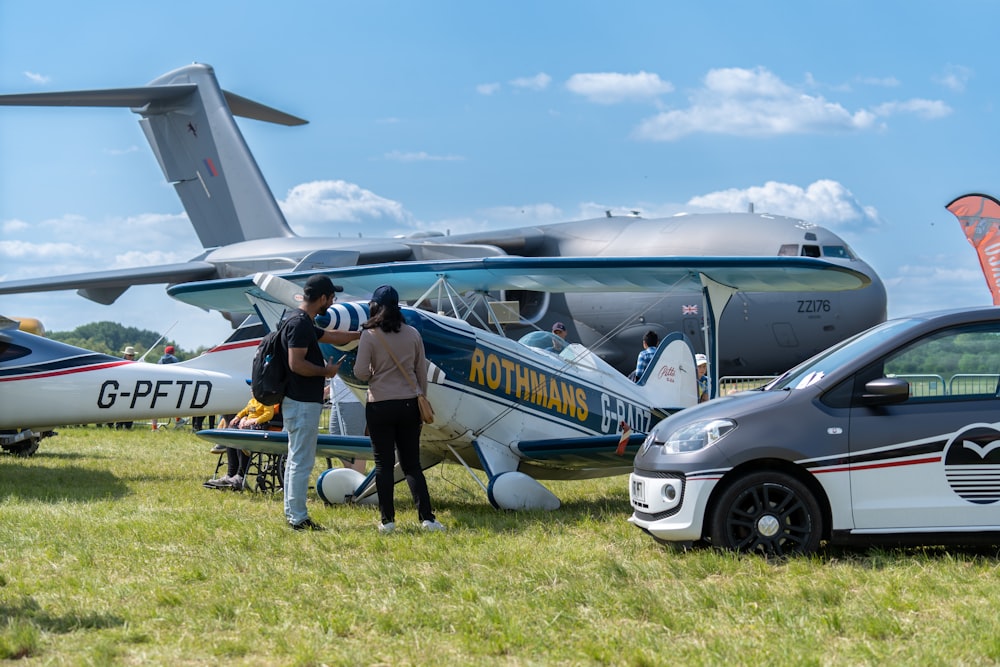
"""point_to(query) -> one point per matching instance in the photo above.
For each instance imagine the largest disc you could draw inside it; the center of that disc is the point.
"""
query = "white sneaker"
(431, 526)
(386, 528)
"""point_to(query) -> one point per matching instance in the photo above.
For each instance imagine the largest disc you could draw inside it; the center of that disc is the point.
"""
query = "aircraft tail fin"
(234, 355)
(188, 120)
(670, 381)
(979, 216)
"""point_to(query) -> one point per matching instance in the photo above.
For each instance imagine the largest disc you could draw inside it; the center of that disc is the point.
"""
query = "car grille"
(645, 516)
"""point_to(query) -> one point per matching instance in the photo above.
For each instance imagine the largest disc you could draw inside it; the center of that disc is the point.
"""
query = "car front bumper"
(670, 506)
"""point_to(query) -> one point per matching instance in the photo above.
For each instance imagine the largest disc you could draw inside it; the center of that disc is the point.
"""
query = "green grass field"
(113, 553)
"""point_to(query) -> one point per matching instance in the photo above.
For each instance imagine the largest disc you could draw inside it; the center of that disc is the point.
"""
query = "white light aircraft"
(45, 383)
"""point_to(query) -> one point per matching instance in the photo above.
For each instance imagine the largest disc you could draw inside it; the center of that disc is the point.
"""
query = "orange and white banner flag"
(979, 216)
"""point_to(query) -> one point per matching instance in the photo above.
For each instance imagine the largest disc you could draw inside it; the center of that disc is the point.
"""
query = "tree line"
(112, 338)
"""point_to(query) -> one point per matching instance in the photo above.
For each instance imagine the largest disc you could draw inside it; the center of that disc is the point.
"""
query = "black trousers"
(394, 427)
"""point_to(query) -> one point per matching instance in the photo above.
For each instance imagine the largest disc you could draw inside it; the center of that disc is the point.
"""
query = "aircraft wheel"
(24, 449)
(770, 513)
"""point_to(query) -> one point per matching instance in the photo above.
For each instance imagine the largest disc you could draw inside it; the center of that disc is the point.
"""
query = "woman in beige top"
(389, 348)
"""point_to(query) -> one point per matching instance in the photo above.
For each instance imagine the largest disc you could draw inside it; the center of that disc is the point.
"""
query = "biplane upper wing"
(552, 274)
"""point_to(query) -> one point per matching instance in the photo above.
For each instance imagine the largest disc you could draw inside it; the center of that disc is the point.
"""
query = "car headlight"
(697, 436)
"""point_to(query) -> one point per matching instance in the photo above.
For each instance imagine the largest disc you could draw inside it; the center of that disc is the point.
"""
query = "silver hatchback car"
(892, 436)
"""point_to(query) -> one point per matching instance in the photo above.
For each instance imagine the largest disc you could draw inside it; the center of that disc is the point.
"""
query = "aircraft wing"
(276, 442)
(106, 286)
(552, 274)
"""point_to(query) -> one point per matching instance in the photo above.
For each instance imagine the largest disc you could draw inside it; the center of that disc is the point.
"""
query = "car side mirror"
(885, 391)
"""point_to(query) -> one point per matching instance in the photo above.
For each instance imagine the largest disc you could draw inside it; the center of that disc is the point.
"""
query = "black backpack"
(269, 371)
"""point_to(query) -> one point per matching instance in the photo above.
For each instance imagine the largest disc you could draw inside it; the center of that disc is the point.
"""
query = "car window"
(833, 358)
(953, 364)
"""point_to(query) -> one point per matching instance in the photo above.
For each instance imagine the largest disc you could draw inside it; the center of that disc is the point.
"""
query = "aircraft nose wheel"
(22, 443)
(770, 513)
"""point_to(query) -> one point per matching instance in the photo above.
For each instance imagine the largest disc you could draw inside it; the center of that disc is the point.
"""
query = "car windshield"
(816, 368)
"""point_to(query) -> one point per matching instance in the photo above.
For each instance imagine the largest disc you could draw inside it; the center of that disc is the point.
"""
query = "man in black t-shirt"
(303, 400)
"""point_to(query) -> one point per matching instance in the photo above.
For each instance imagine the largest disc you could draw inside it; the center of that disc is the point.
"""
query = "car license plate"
(638, 491)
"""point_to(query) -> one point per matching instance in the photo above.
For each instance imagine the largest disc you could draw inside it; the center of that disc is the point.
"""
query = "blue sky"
(864, 117)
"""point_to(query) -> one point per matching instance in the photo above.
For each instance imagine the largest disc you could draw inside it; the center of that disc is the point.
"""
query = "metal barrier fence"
(734, 383)
(921, 385)
(960, 384)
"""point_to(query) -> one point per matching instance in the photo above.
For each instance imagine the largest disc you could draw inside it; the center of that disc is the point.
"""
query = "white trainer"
(431, 526)
(386, 528)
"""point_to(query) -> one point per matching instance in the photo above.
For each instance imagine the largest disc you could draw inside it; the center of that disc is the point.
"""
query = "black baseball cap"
(320, 285)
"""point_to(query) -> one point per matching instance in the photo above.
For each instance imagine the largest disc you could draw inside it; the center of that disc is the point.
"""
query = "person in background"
(649, 343)
(701, 361)
(254, 416)
(391, 358)
(167, 358)
(559, 329)
(128, 354)
(303, 401)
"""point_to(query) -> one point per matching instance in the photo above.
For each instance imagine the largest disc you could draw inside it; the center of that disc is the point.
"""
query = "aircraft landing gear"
(22, 443)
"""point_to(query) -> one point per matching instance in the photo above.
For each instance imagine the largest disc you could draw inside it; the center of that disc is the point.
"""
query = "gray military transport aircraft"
(188, 120)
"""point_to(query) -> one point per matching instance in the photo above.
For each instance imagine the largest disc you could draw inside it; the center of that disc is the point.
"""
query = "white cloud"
(612, 87)
(934, 282)
(340, 202)
(823, 202)
(885, 81)
(954, 77)
(487, 88)
(540, 81)
(27, 251)
(34, 77)
(751, 103)
(928, 109)
(13, 226)
(421, 156)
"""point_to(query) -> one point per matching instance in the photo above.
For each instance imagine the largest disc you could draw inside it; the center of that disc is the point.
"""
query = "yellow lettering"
(569, 406)
(554, 401)
(581, 403)
(492, 371)
(539, 389)
(522, 377)
(508, 372)
(476, 370)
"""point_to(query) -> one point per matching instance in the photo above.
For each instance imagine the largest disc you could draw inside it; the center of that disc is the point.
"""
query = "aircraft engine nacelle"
(532, 305)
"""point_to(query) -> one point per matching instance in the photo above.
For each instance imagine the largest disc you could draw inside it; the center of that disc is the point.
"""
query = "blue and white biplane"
(520, 412)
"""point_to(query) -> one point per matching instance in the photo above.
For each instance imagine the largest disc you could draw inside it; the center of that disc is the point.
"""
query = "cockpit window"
(10, 351)
(837, 252)
(810, 251)
(789, 250)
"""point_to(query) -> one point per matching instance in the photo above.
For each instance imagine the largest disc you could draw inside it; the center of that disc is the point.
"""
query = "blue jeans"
(302, 425)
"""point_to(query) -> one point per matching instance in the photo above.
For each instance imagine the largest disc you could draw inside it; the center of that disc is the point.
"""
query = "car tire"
(770, 513)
